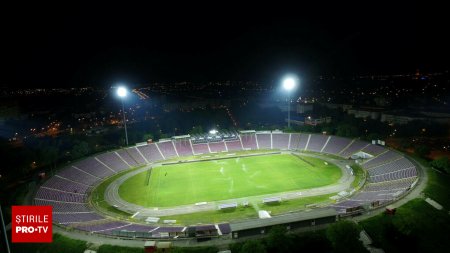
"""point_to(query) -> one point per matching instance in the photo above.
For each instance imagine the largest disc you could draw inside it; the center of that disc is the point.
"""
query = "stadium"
(226, 185)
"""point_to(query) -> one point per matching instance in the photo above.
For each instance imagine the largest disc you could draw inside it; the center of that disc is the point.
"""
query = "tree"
(196, 130)
(441, 163)
(80, 149)
(148, 136)
(347, 130)
(422, 151)
(344, 236)
(278, 240)
(253, 246)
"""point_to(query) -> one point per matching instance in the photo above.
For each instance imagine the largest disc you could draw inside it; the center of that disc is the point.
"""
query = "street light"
(289, 84)
(122, 93)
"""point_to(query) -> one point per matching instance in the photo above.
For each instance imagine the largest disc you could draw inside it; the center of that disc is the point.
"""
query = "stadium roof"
(281, 219)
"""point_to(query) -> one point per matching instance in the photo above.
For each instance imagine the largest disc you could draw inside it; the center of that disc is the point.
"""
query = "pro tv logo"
(32, 224)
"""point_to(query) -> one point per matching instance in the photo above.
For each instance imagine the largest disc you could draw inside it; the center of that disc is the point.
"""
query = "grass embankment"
(416, 226)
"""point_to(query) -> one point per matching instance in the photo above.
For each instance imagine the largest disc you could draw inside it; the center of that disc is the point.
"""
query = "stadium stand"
(373, 149)
(295, 141)
(52, 194)
(389, 176)
(168, 149)
(280, 141)
(354, 147)
(77, 175)
(63, 207)
(316, 142)
(303, 141)
(183, 147)
(68, 218)
(336, 145)
(249, 141)
(137, 156)
(94, 167)
(62, 184)
(123, 154)
(234, 145)
(151, 152)
(201, 148)
(383, 158)
(264, 140)
(113, 161)
(217, 146)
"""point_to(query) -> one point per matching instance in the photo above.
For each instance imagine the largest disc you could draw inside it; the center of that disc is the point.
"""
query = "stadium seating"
(113, 161)
(373, 149)
(264, 141)
(201, 148)
(52, 194)
(183, 147)
(128, 158)
(295, 141)
(316, 142)
(353, 148)
(137, 155)
(77, 175)
(63, 207)
(217, 146)
(151, 152)
(63, 218)
(336, 145)
(249, 141)
(303, 141)
(104, 226)
(233, 145)
(167, 149)
(59, 183)
(280, 141)
(383, 158)
(94, 167)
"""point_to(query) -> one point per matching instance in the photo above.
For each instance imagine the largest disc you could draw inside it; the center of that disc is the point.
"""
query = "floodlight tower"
(122, 93)
(289, 84)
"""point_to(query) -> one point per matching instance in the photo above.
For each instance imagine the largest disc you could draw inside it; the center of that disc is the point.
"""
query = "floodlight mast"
(122, 93)
(289, 84)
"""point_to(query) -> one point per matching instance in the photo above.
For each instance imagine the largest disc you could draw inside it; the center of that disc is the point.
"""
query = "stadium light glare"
(289, 83)
(214, 131)
(122, 93)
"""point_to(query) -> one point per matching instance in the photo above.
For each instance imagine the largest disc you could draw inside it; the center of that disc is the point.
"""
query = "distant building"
(344, 107)
(309, 120)
(302, 108)
(360, 113)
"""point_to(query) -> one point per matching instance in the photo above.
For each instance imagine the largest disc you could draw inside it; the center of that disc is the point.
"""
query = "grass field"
(189, 183)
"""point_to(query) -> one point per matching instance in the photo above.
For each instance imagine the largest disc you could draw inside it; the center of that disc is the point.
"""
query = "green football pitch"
(189, 183)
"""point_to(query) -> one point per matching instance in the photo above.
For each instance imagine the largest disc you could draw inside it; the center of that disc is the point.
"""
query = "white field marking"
(244, 168)
(255, 174)
(231, 186)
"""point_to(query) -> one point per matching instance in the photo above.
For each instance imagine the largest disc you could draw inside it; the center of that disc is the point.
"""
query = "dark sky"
(49, 45)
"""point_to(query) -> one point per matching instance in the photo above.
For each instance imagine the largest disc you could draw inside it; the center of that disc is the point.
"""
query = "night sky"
(78, 45)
